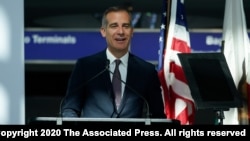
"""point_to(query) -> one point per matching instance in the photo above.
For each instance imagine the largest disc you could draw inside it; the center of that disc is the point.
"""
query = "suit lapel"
(106, 78)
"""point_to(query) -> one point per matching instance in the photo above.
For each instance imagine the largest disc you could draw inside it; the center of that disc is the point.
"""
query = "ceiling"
(84, 13)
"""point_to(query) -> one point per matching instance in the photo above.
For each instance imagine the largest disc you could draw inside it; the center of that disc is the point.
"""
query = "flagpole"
(169, 3)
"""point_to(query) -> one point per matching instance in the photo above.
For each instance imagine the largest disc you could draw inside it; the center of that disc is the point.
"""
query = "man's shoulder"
(142, 62)
(96, 55)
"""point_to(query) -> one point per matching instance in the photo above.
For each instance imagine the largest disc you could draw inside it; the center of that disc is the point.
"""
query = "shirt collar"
(111, 57)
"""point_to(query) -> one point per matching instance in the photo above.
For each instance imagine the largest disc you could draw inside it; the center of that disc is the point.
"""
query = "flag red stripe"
(180, 46)
(178, 71)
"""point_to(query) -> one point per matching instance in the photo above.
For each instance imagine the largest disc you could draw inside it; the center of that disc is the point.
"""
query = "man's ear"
(103, 32)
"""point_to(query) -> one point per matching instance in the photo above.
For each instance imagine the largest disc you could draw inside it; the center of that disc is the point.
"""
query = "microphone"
(98, 74)
(147, 122)
(85, 83)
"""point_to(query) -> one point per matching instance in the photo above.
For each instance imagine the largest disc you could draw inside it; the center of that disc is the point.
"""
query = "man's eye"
(127, 26)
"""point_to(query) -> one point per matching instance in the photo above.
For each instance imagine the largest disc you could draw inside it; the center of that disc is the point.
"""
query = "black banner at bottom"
(182, 131)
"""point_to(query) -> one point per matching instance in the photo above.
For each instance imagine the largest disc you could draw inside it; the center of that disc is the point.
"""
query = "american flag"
(174, 39)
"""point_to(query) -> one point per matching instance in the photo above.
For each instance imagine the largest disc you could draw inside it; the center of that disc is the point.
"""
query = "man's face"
(118, 31)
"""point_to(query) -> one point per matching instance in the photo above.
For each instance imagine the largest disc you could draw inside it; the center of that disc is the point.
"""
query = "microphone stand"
(219, 116)
(59, 122)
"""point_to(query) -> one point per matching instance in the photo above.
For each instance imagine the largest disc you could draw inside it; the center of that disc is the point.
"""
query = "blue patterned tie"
(117, 83)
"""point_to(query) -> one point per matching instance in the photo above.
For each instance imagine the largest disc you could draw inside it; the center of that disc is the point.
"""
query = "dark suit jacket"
(90, 91)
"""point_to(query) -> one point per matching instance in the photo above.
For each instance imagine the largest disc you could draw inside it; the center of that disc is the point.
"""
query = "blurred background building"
(207, 14)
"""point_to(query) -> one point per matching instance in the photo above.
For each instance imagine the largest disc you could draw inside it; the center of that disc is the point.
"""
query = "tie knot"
(117, 62)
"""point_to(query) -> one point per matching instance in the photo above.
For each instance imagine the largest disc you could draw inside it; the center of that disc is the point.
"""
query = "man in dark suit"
(90, 92)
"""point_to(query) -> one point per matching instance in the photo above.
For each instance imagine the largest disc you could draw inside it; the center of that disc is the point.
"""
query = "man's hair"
(115, 9)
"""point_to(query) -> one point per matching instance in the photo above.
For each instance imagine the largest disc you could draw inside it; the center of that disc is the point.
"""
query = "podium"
(103, 121)
(211, 82)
